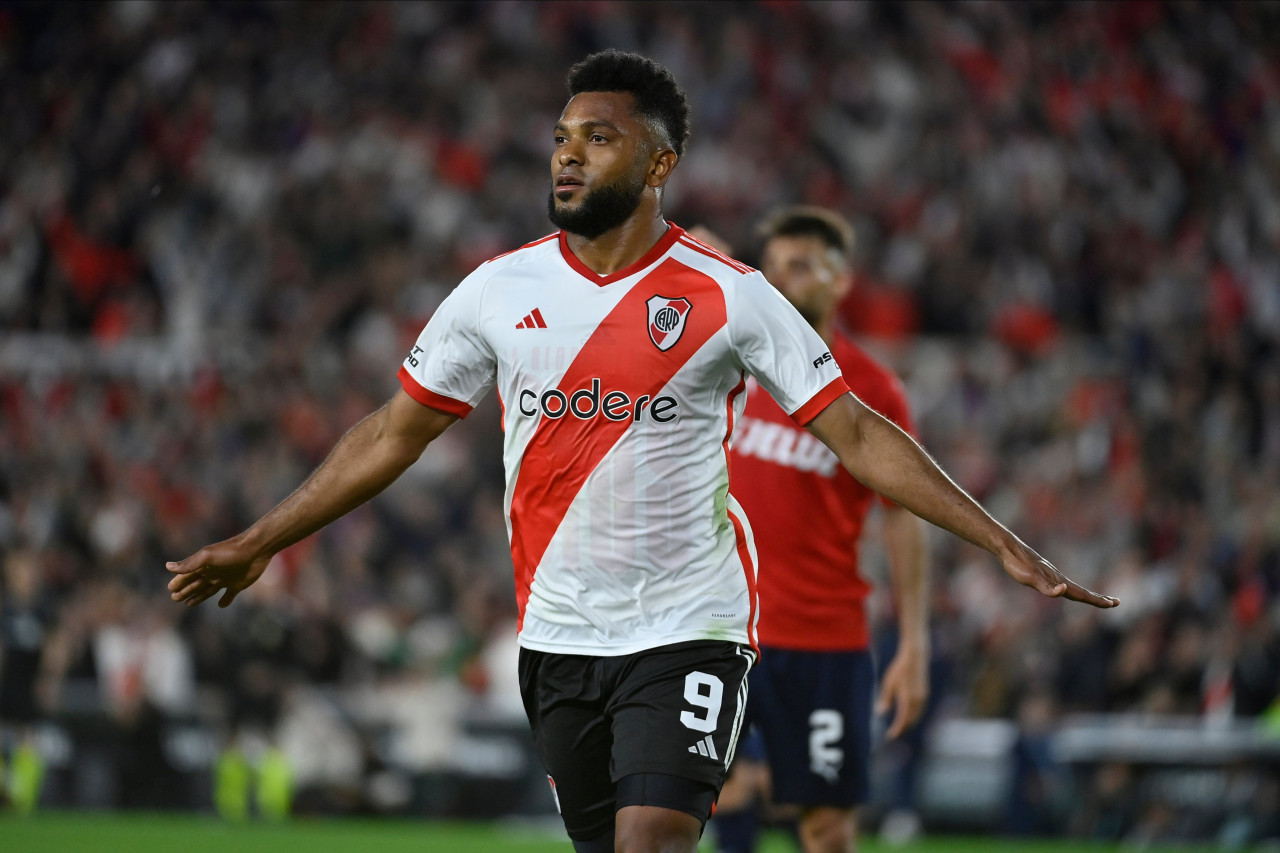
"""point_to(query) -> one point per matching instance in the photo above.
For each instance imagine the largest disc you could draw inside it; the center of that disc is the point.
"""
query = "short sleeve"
(451, 367)
(781, 350)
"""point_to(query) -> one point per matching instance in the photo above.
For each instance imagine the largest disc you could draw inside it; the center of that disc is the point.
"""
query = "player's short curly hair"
(659, 98)
(802, 220)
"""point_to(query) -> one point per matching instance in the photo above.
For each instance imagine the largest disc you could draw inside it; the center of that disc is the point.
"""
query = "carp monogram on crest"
(666, 320)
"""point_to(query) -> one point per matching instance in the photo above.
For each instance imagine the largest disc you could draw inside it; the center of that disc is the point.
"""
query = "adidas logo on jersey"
(706, 747)
(532, 320)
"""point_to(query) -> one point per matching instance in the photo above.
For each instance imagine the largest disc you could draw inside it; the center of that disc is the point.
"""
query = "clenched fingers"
(192, 582)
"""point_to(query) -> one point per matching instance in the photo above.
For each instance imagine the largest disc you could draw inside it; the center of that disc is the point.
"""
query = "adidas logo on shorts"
(706, 747)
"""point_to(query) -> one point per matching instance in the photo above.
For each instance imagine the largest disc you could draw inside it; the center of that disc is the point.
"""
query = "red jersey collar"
(659, 249)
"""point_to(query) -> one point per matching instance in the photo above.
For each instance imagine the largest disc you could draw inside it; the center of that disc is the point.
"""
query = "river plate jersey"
(809, 582)
(619, 396)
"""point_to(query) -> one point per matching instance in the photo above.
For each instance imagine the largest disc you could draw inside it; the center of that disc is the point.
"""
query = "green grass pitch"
(56, 832)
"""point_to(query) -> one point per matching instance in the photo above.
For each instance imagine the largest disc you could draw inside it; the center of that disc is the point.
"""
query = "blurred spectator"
(24, 628)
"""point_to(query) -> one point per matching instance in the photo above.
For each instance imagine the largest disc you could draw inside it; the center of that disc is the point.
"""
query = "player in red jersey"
(811, 691)
(635, 568)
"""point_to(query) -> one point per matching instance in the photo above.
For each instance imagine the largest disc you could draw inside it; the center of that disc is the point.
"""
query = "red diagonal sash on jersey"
(563, 452)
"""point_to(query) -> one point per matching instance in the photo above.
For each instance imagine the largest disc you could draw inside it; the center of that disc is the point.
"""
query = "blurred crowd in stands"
(223, 224)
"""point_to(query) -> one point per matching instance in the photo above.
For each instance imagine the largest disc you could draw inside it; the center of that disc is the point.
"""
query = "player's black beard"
(600, 210)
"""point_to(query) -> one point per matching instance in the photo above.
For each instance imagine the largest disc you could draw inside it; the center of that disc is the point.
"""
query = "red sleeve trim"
(835, 388)
(427, 397)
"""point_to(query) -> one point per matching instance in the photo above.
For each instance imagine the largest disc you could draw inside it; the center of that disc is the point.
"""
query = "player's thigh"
(641, 829)
(814, 710)
(677, 711)
(564, 700)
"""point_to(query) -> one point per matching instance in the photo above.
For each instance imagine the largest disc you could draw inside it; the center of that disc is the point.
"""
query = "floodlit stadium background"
(223, 224)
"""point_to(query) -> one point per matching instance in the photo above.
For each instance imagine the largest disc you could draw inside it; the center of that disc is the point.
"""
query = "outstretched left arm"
(887, 460)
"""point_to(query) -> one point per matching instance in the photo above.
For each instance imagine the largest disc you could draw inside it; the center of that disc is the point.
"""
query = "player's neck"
(619, 248)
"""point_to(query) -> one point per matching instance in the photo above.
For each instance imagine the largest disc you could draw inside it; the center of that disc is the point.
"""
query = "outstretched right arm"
(365, 461)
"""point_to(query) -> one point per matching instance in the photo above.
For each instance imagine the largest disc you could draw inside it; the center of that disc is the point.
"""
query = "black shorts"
(814, 712)
(671, 713)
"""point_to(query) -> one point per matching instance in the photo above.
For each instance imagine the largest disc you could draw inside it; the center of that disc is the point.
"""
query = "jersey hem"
(793, 645)
(631, 648)
(835, 388)
(430, 398)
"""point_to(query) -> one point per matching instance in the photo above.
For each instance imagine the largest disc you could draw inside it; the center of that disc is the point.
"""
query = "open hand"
(1030, 569)
(226, 565)
(905, 688)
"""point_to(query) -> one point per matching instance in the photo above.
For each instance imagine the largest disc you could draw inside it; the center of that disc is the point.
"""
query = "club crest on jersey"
(666, 320)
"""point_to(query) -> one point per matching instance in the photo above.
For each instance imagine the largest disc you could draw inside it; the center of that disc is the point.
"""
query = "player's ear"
(843, 272)
(661, 165)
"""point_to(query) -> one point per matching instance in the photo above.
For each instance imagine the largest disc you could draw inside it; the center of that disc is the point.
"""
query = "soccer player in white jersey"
(620, 347)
